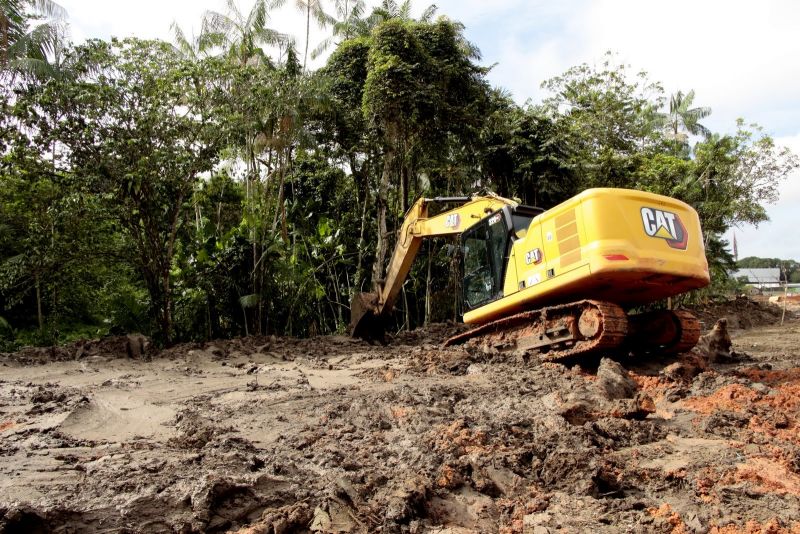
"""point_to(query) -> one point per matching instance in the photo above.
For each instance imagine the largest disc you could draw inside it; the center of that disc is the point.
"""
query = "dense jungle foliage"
(218, 187)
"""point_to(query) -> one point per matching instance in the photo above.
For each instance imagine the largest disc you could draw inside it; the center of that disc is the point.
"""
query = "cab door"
(485, 258)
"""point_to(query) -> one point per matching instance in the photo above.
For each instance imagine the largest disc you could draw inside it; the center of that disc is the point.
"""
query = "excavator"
(558, 283)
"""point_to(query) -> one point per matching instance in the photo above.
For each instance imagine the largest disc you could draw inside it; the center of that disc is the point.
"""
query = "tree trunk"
(404, 186)
(381, 203)
(279, 205)
(3, 42)
(361, 240)
(39, 304)
(213, 316)
(407, 311)
(428, 287)
(308, 31)
(166, 313)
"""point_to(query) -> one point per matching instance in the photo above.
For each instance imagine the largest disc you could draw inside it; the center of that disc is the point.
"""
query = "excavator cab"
(485, 249)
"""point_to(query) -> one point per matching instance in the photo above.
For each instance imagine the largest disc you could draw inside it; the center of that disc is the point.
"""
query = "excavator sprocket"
(555, 332)
(663, 331)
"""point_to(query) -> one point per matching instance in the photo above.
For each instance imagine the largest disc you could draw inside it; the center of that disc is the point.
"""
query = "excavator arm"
(368, 309)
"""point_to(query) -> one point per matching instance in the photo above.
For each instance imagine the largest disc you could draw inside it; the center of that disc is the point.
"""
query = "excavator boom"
(367, 309)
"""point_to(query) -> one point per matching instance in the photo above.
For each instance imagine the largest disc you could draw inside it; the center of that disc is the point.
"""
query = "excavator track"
(553, 333)
(663, 331)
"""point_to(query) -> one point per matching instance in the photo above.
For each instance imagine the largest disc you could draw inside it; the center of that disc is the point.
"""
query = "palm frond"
(391, 8)
(322, 19)
(270, 36)
(257, 18)
(49, 9)
(405, 10)
(234, 10)
(210, 40)
(428, 14)
(31, 68)
(183, 45)
(323, 46)
(216, 22)
(699, 129)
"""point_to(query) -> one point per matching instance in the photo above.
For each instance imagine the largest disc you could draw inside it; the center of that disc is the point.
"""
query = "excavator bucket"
(365, 323)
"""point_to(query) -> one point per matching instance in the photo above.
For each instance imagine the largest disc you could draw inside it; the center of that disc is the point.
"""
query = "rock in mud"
(136, 345)
(406, 501)
(716, 345)
(613, 380)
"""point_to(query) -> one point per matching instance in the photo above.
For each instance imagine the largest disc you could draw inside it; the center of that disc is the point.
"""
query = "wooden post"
(785, 295)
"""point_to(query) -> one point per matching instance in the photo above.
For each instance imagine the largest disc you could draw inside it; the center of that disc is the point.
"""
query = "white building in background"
(761, 278)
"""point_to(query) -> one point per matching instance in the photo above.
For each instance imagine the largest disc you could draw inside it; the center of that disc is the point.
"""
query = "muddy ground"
(268, 435)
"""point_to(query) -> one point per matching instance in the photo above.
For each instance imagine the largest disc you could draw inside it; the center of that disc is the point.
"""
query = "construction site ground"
(277, 435)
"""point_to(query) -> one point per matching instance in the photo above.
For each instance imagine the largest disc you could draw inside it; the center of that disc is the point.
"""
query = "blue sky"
(741, 58)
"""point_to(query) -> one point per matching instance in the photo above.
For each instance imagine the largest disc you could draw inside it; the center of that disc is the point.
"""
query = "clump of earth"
(334, 435)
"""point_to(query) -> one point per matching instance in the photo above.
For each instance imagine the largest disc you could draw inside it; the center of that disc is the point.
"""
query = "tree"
(24, 50)
(736, 175)
(607, 116)
(59, 248)
(347, 23)
(391, 10)
(422, 97)
(527, 154)
(310, 8)
(407, 107)
(140, 131)
(683, 117)
(240, 37)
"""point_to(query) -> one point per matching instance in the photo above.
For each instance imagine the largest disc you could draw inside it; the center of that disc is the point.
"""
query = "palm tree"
(311, 8)
(191, 48)
(240, 36)
(390, 9)
(683, 116)
(23, 50)
(349, 24)
(352, 24)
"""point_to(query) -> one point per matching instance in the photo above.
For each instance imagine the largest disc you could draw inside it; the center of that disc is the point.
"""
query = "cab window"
(485, 248)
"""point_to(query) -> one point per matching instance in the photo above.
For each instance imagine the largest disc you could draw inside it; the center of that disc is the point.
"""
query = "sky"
(742, 58)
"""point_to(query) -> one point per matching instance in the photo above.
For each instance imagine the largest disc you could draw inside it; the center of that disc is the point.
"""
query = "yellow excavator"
(557, 283)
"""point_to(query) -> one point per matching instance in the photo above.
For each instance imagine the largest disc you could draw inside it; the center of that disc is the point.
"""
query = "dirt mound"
(740, 313)
(104, 348)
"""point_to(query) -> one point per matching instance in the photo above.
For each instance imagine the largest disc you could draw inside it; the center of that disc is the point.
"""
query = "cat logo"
(665, 225)
(452, 221)
(533, 256)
